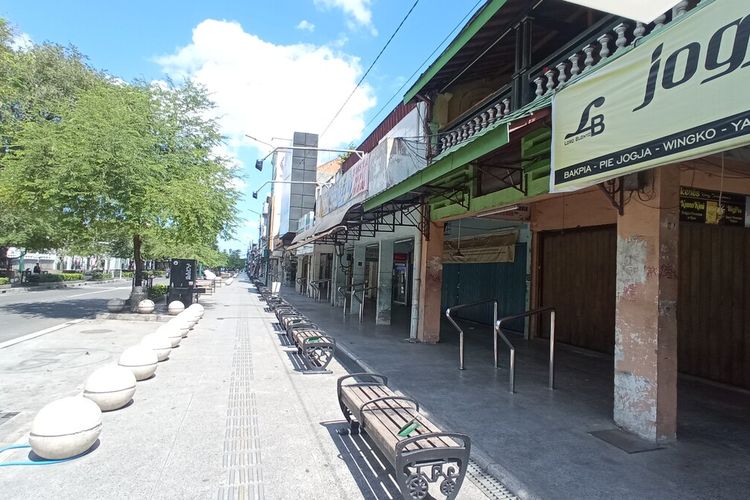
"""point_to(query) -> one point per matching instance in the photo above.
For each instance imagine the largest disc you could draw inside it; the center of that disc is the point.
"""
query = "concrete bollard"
(175, 307)
(160, 344)
(65, 428)
(172, 333)
(139, 360)
(146, 306)
(111, 387)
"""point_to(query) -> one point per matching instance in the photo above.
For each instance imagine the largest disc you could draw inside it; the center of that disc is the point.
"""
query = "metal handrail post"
(552, 350)
(494, 337)
(512, 371)
(362, 306)
(498, 331)
(461, 332)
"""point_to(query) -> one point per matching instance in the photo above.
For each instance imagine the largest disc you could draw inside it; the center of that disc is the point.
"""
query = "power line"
(370, 68)
(398, 92)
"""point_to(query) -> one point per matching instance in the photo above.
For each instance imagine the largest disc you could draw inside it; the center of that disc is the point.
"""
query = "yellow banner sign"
(682, 93)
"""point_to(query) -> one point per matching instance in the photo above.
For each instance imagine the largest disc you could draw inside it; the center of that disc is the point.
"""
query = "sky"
(272, 66)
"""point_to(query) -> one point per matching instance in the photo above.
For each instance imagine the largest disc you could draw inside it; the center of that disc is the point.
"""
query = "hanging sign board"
(681, 94)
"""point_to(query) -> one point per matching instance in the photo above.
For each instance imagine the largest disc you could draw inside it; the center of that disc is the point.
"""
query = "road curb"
(56, 286)
(33, 335)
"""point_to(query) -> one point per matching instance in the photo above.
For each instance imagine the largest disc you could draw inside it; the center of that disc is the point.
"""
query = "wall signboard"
(712, 207)
(680, 94)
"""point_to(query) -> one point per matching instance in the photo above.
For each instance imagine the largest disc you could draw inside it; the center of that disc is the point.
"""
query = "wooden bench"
(205, 286)
(316, 348)
(428, 462)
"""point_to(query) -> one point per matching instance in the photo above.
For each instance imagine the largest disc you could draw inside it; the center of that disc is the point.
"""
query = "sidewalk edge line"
(33, 335)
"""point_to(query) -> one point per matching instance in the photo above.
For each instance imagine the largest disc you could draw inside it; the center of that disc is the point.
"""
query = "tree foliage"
(92, 164)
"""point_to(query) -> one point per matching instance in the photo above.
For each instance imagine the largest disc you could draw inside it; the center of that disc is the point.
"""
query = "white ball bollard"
(188, 318)
(181, 325)
(139, 360)
(173, 333)
(111, 387)
(115, 305)
(146, 306)
(160, 344)
(65, 428)
(198, 308)
(175, 307)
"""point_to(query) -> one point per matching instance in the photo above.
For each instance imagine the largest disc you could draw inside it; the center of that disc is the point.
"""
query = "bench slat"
(383, 420)
(427, 427)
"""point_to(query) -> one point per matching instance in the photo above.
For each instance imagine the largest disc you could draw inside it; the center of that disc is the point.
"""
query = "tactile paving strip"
(241, 457)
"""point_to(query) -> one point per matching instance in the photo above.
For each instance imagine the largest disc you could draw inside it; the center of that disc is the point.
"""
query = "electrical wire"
(398, 28)
(419, 68)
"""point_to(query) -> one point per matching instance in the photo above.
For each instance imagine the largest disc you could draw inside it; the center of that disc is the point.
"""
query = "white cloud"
(271, 90)
(306, 25)
(359, 12)
(21, 42)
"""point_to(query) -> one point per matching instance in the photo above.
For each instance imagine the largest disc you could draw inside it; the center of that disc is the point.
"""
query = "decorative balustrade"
(554, 76)
(557, 72)
(495, 110)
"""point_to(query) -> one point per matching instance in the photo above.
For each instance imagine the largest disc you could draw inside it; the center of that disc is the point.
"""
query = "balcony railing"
(579, 60)
(568, 64)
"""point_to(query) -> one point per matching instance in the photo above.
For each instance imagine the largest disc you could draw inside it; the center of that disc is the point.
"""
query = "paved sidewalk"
(227, 416)
(538, 441)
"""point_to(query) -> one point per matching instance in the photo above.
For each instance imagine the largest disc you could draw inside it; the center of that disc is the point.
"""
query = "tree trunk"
(138, 262)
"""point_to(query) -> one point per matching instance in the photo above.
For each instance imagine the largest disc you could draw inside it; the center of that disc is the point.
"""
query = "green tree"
(36, 85)
(126, 160)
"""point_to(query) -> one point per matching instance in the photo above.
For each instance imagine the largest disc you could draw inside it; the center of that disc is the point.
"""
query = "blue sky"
(272, 66)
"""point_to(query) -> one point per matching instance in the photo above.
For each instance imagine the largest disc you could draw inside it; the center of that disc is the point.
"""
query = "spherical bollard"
(160, 344)
(175, 307)
(115, 305)
(65, 428)
(188, 318)
(139, 360)
(198, 308)
(146, 306)
(111, 387)
(170, 331)
(180, 324)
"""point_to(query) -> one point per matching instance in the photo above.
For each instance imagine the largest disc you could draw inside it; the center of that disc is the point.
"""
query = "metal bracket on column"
(613, 190)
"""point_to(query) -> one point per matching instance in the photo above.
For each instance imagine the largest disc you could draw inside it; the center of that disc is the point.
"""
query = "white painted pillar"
(417, 262)
(385, 283)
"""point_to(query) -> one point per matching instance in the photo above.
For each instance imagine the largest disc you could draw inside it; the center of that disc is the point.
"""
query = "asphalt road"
(29, 312)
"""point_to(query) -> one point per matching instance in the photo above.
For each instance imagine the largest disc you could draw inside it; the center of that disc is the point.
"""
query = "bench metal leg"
(444, 468)
(318, 354)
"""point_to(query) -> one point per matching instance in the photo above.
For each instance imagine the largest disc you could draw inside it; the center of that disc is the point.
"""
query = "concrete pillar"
(431, 278)
(645, 400)
(385, 283)
(358, 273)
(416, 280)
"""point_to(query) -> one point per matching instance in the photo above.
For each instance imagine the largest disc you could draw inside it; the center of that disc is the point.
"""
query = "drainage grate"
(488, 484)
(99, 330)
(6, 416)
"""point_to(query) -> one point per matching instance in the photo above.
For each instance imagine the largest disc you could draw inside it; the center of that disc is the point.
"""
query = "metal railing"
(498, 331)
(361, 301)
(461, 332)
(316, 285)
(343, 291)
